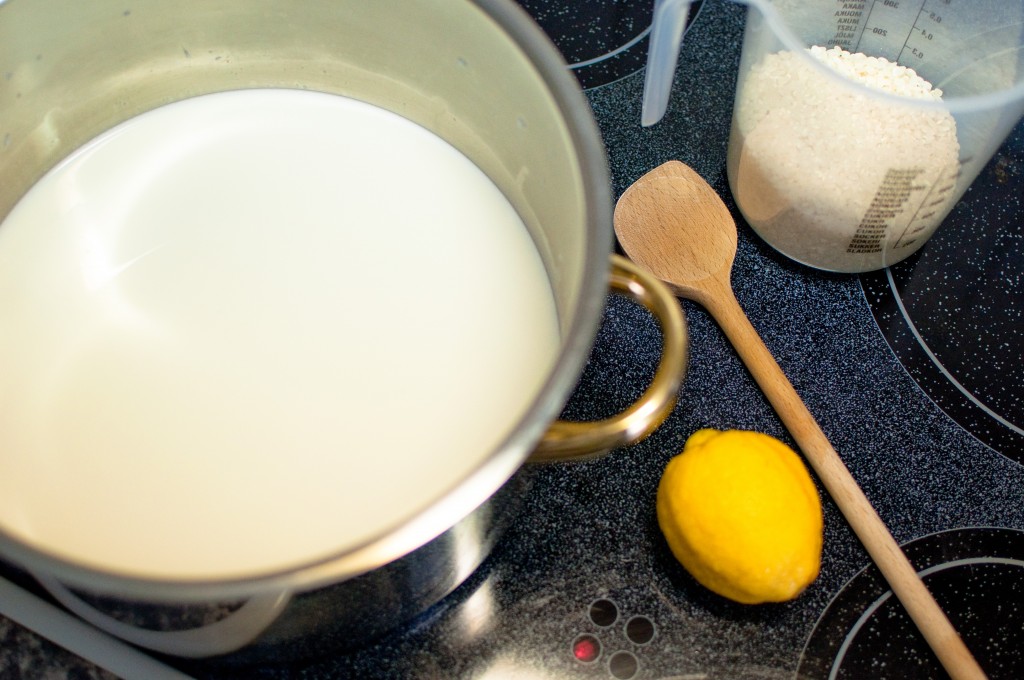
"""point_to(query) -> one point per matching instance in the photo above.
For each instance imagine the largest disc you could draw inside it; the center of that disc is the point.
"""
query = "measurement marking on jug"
(921, 33)
(924, 216)
(885, 33)
(848, 16)
(890, 200)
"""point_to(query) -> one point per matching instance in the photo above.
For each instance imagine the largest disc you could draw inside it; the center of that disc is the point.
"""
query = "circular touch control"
(639, 630)
(586, 649)
(623, 665)
(604, 613)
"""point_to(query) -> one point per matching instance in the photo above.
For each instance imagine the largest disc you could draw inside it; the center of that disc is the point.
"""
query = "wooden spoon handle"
(848, 496)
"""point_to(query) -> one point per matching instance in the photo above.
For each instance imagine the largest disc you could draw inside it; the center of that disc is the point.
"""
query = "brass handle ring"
(566, 440)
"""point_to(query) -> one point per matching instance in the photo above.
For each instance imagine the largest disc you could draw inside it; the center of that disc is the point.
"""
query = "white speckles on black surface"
(954, 312)
(976, 575)
(588, 531)
(602, 40)
(26, 656)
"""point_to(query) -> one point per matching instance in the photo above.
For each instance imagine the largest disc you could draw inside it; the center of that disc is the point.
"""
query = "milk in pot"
(251, 329)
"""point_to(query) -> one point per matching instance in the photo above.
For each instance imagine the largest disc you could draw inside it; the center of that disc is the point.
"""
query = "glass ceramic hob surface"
(976, 575)
(583, 587)
(954, 312)
(602, 40)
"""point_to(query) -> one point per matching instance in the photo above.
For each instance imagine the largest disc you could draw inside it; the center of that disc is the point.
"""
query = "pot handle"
(566, 440)
(226, 635)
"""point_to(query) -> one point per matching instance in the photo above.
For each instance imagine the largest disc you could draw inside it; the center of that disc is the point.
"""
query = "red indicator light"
(586, 648)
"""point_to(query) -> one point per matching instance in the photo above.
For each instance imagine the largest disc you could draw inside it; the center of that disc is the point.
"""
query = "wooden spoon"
(675, 225)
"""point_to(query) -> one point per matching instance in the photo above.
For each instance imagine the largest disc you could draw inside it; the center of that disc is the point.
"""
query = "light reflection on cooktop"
(953, 313)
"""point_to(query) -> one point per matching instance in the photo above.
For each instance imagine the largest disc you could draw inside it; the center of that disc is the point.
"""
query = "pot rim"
(464, 495)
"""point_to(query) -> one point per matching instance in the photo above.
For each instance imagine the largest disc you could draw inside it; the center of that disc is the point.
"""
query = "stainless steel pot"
(479, 74)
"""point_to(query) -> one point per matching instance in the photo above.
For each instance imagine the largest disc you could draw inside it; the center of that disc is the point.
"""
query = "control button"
(623, 665)
(640, 630)
(589, 646)
(586, 648)
(604, 613)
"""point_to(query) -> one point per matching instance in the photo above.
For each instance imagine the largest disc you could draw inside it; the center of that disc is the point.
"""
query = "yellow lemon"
(740, 512)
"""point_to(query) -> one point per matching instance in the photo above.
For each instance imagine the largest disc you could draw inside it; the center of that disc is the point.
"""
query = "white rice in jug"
(833, 176)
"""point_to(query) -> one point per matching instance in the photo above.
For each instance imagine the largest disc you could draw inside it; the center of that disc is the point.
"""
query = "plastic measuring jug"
(846, 177)
(667, 27)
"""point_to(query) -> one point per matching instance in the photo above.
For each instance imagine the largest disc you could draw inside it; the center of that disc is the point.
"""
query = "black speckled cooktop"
(914, 373)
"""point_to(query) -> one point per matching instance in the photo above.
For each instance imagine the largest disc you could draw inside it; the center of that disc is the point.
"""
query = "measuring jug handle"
(666, 37)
